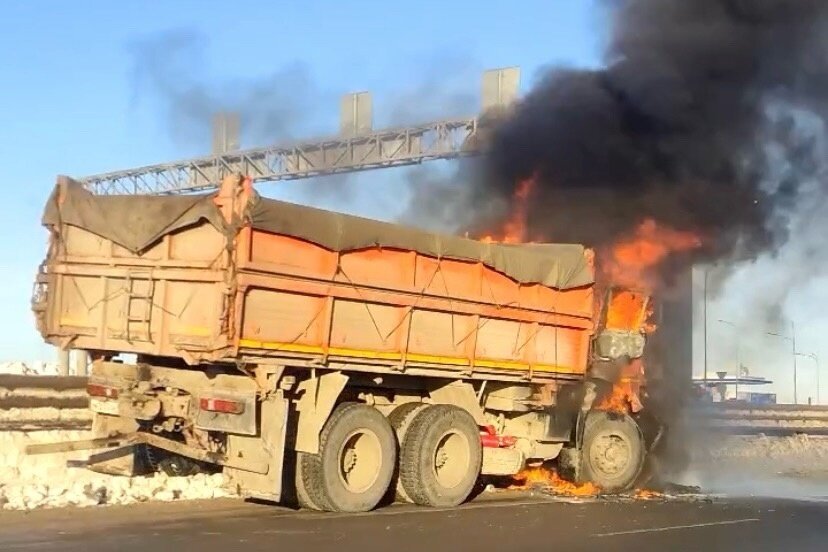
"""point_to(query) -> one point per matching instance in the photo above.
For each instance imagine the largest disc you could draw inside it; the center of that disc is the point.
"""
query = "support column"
(63, 362)
(81, 362)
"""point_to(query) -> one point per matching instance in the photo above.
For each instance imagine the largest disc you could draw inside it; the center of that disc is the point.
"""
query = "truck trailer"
(332, 359)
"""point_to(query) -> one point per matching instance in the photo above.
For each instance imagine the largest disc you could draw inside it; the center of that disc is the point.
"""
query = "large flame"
(633, 261)
(627, 311)
(549, 479)
(625, 396)
(514, 229)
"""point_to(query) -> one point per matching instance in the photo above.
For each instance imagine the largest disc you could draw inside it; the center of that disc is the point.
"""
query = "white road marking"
(676, 527)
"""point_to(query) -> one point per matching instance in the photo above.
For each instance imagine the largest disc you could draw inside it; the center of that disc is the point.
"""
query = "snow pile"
(45, 481)
(750, 446)
(805, 455)
(794, 467)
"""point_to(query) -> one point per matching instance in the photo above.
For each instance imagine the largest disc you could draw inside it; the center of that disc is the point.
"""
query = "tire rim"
(610, 454)
(451, 459)
(359, 460)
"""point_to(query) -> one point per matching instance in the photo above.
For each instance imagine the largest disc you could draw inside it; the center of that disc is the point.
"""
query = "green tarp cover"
(138, 221)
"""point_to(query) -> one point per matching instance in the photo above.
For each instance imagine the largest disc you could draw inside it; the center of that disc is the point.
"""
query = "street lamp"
(815, 358)
(792, 339)
(738, 354)
(706, 273)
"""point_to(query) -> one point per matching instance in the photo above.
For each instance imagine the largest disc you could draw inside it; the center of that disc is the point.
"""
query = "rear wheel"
(179, 466)
(302, 495)
(400, 419)
(173, 465)
(355, 463)
(440, 456)
(612, 454)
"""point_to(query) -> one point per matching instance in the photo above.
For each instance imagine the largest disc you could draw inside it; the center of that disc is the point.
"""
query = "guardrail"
(35, 403)
(778, 419)
(31, 403)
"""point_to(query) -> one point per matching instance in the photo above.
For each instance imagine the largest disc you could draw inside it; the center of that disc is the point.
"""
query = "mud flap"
(654, 431)
(569, 459)
(268, 446)
(569, 464)
(124, 461)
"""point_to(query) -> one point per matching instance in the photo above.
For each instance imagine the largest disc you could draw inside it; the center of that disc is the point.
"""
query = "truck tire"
(440, 456)
(400, 420)
(612, 454)
(175, 465)
(302, 494)
(355, 463)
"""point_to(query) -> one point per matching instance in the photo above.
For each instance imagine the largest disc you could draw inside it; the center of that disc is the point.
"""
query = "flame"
(645, 494)
(631, 262)
(514, 229)
(617, 401)
(628, 310)
(549, 479)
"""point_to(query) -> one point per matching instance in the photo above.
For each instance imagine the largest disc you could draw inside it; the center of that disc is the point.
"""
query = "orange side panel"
(284, 297)
(403, 307)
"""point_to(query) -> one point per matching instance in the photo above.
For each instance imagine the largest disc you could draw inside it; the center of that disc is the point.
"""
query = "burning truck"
(336, 359)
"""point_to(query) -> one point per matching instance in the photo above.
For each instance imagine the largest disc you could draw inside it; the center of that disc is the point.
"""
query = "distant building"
(724, 388)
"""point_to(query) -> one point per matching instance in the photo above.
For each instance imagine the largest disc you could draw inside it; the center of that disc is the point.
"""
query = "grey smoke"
(170, 69)
(446, 88)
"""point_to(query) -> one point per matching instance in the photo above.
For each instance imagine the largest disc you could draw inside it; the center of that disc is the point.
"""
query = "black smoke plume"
(695, 121)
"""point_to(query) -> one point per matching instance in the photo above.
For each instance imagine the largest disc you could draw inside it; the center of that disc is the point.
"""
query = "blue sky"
(77, 98)
(93, 86)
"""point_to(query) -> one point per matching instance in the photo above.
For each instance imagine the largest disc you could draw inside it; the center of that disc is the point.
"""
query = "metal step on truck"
(331, 358)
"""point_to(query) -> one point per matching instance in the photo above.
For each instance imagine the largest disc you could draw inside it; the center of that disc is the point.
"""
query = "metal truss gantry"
(386, 148)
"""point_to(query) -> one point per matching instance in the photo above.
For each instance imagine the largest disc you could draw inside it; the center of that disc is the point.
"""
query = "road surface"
(507, 521)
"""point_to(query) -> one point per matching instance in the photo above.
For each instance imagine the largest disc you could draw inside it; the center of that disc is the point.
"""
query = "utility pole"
(738, 354)
(706, 272)
(792, 339)
(793, 343)
(815, 358)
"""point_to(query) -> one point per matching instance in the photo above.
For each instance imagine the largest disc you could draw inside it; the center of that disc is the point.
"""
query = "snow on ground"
(45, 481)
(797, 454)
(793, 467)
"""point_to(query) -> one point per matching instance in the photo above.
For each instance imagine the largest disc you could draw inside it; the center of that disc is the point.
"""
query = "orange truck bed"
(232, 277)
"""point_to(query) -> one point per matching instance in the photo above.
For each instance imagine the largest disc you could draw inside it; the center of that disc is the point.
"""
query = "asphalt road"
(514, 522)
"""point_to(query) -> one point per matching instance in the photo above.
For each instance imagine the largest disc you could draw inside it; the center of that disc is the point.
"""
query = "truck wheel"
(612, 454)
(355, 463)
(400, 419)
(302, 494)
(171, 464)
(440, 456)
(175, 465)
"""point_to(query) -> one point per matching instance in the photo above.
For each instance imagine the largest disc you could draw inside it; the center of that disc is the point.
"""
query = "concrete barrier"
(745, 419)
(31, 403)
(60, 402)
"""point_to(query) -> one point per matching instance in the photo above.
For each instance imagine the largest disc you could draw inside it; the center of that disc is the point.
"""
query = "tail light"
(103, 391)
(223, 406)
